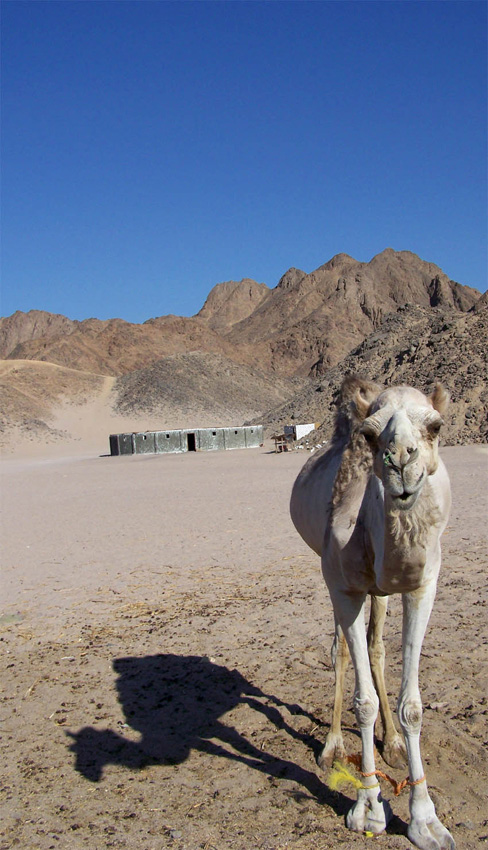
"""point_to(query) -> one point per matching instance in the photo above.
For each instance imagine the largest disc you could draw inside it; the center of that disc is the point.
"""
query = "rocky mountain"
(116, 347)
(21, 327)
(232, 302)
(277, 355)
(322, 315)
(417, 346)
(305, 319)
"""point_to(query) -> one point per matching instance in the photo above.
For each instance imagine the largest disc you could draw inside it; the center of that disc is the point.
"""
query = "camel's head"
(402, 428)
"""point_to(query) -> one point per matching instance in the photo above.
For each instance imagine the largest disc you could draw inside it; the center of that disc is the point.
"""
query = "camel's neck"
(408, 540)
(355, 466)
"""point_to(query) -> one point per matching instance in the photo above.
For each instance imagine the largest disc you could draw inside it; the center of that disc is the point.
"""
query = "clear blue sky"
(154, 149)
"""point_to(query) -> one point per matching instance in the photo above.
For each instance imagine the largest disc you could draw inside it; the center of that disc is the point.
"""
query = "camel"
(373, 505)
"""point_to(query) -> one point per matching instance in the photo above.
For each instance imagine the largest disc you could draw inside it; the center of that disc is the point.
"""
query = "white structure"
(296, 432)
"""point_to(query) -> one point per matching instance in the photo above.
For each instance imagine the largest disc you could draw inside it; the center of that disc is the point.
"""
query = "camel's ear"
(360, 405)
(440, 399)
(361, 394)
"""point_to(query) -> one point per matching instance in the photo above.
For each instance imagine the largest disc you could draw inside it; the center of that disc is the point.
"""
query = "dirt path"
(165, 667)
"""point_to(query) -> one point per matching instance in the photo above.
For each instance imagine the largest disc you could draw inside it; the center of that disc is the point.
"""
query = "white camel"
(374, 506)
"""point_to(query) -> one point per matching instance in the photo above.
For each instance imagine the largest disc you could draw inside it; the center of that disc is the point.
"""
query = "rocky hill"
(49, 402)
(306, 318)
(116, 347)
(253, 349)
(322, 315)
(22, 327)
(231, 302)
(198, 386)
(414, 345)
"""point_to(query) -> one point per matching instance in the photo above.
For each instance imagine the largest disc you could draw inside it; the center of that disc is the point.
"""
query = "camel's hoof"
(430, 835)
(369, 814)
(395, 752)
(356, 816)
(333, 751)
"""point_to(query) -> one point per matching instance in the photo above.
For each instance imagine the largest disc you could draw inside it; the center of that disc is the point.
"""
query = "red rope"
(397, 786)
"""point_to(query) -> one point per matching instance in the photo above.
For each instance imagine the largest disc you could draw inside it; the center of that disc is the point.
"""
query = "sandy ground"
(166, 673)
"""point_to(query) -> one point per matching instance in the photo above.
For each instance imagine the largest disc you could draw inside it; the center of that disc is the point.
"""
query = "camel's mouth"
(405, 500)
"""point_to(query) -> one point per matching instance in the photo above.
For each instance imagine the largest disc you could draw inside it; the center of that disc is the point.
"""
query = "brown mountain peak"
(22, 327)
(231, 302)
(339, 261)
(290, 279)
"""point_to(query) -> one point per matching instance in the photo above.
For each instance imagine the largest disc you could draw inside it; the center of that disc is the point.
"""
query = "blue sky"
(154, 149)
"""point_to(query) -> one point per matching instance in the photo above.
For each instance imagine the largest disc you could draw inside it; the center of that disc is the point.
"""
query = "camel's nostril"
(412, 454)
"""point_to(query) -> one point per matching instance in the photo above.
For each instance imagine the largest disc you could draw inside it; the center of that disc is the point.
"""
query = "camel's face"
(403, 430)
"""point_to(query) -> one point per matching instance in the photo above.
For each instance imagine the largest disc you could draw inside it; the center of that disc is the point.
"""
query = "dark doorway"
(191, 444)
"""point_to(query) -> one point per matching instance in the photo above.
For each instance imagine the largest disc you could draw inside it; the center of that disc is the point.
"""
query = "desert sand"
(166, 657)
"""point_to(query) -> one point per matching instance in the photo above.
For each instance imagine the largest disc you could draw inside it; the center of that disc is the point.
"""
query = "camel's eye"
(434, 427)
(370, 439)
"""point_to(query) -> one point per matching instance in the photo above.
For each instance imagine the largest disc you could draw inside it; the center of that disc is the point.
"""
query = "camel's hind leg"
(334, 744)
(394, 751)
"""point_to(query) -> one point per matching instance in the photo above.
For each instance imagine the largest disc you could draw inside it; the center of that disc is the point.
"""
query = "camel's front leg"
(370, 812)
(425, 829)
(334, 744)
(394, 752)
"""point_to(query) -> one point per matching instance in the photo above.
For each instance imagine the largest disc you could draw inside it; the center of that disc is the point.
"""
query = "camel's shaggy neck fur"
(407, 528)
(355, 465)
(347, 439)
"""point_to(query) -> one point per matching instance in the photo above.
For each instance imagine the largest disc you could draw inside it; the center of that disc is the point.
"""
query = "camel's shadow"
(177, 704)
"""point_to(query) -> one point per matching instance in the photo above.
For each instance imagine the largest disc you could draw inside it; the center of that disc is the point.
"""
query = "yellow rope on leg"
(340, 775)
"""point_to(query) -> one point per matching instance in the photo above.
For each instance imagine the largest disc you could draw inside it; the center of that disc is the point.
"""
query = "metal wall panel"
(253, 435)
(144, 443)
(234, 438)
(169, 441)
(210, 439)
(121, 444)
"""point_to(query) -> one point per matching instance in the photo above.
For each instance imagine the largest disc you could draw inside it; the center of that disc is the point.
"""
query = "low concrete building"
(186, 440)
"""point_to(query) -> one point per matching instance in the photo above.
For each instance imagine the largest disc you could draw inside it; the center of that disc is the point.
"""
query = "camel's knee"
(366, 708)
(410, 713)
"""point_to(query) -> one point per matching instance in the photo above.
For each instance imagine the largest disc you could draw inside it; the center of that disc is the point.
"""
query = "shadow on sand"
(176, 704)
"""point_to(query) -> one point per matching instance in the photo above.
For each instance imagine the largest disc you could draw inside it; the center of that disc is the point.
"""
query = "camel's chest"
(402, 568)
(372, 561)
